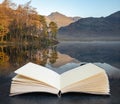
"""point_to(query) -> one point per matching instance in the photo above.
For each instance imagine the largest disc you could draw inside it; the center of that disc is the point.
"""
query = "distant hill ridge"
(93, 28)
(61, 19)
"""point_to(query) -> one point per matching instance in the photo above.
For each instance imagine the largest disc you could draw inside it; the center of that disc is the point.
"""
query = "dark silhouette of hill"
(103, 28)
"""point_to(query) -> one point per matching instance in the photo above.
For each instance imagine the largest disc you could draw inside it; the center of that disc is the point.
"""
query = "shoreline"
(94, 41)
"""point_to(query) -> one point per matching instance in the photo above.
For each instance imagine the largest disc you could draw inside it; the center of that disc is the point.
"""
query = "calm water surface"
(13, 57)
(108, 52)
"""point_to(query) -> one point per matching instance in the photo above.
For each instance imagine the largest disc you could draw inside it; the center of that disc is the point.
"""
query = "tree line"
(23, 24)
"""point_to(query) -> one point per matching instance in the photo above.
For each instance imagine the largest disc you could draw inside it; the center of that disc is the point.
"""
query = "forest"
(22, 24)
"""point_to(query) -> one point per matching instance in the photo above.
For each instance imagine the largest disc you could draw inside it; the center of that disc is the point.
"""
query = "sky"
(82, 8)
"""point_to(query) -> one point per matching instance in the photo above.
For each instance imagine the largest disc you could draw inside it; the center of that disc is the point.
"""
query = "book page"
(97, 84)
(22, 79)
(78, 74)
(20, 88)
(40, 73)
(22, 85)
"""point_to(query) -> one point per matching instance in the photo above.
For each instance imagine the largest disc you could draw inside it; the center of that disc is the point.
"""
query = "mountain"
(60, 19)
(103, 28)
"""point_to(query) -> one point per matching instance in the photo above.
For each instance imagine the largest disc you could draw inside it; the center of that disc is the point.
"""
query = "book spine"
(59, 94)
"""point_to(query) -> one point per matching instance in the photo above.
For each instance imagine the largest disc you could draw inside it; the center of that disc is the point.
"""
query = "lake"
(95, 51)
(13, 57)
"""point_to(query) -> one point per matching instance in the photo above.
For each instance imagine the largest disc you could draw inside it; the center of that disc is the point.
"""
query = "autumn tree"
(3, 27)
(44, 28)
(22, 24)
(25, 22)
(53, 29)
(5, 18)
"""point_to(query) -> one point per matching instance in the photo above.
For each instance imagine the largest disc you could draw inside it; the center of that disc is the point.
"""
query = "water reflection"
(16, 56)
(13, 57)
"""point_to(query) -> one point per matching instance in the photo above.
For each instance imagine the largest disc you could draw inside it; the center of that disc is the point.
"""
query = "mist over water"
(95, 51)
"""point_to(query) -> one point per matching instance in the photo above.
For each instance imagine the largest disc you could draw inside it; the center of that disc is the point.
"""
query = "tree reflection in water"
(12, 57)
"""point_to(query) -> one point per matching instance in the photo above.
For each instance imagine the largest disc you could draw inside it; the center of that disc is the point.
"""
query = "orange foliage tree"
(22, 23)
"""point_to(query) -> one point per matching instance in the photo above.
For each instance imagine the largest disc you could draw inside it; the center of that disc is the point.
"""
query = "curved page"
(40, 73)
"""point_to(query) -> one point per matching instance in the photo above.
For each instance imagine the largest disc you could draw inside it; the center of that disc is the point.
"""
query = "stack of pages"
(87, 78)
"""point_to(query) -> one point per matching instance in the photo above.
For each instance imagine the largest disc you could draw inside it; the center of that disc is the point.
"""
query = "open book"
(87, 78)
